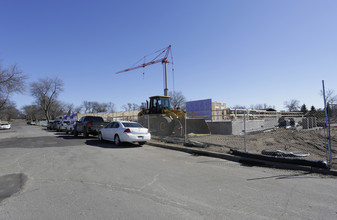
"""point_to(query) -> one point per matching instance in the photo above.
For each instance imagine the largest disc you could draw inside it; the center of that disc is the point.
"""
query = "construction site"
(223, 130)
(214, 127)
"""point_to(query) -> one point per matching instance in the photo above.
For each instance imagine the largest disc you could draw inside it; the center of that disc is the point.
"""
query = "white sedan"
(5, 126)
(124, 131)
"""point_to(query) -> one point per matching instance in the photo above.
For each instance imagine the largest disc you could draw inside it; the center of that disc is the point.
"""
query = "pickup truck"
(89, 125)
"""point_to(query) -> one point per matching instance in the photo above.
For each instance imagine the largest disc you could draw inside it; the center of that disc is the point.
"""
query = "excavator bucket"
(191, 126)
(197, 126)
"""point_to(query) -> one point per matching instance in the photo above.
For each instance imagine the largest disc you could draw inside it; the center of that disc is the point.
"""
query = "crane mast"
(164, 61)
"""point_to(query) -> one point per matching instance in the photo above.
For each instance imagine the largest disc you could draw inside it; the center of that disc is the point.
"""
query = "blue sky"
(241, 52)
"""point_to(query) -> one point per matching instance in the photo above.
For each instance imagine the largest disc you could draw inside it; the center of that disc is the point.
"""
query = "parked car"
(5, 126)
(70, 127)
(53, 125)
(50, 125)
(124, 131)
(89, 125)
(43, 123)
(62, 125)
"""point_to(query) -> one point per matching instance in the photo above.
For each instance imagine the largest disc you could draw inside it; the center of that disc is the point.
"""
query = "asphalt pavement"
(50, 175)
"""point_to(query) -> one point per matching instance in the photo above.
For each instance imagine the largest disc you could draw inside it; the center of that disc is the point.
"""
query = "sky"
(240, 52)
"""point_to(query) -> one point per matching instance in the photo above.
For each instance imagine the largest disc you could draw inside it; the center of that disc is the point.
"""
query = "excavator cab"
(158, 104)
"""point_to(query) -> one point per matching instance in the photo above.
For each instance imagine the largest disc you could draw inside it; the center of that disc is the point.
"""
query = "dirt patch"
(310, 141)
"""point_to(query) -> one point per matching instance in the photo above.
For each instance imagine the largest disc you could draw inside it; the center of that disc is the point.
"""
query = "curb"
(244, 160)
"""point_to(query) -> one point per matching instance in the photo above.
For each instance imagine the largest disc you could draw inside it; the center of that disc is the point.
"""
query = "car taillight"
(148, 130)
(89, 125)
(127, 130)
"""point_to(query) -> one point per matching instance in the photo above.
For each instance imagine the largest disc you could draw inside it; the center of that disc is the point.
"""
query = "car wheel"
(142, 143)
(75, 133)
(85, 133)
(117, 140)
(100, 136)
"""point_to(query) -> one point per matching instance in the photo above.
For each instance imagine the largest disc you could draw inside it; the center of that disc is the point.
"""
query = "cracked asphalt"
(50, 175)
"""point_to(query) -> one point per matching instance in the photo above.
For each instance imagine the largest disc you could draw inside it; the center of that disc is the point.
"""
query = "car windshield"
(131, 125)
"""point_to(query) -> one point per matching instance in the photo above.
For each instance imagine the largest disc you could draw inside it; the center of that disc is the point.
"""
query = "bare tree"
(95, 107)
(262, 106)
(11, 81)
(131, 107)
(293, 105)
(77, 109)
(68, 108)
(135, 107)
(91, 107)
(56, 110)
(178, 100)
(111, 107)
(330, 96)
(86, 105)
(9, 111)
(239, 107)
(32, 112)
(46, 92)
(101, 107)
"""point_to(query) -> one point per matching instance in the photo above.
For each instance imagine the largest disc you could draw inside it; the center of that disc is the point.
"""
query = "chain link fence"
(272, 133)
(277, 134)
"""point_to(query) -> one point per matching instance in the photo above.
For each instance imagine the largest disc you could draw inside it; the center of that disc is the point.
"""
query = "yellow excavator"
(162, 120)
(158, 115)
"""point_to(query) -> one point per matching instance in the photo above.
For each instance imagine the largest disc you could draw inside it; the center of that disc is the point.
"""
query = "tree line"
(46, 92)
(47, 106)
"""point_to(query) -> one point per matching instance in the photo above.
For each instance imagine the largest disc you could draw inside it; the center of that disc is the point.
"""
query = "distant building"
(205, 109)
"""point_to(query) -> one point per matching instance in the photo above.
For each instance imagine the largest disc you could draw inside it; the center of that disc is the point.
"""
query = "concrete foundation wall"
(220, 127)
(236, 127)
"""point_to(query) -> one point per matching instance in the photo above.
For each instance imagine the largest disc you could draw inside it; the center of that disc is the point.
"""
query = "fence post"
(327, 127)
(148, 122)
(185, 132)
(245, 133)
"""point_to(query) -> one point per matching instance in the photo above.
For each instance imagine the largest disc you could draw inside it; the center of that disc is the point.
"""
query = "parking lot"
(50, 175)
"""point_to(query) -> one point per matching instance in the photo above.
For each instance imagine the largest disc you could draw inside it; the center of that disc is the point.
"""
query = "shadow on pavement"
(10, 184)
(72, 137)
(107, 144)
(290, 176)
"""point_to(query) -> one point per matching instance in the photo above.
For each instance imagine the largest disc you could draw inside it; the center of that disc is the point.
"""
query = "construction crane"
(159, 116)
(163, 60)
